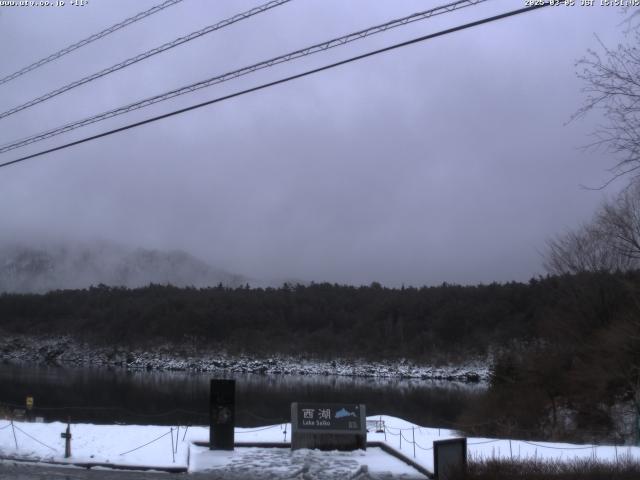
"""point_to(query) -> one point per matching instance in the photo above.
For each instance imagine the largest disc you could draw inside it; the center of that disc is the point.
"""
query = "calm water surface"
(171, 398)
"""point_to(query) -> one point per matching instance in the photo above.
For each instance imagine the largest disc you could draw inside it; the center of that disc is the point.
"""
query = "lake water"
(171, 398)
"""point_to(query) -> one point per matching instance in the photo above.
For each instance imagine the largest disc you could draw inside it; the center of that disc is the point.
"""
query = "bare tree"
(620, 220)
(612, 85)
(609, 243)
(587, 249)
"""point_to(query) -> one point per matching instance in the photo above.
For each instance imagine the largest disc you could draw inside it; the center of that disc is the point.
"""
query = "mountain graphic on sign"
(343, 412)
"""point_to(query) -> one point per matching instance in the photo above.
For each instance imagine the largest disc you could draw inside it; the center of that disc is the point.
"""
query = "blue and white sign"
(329, 416)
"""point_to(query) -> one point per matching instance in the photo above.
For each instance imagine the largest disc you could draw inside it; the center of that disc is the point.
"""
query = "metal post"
(400, 438)
(177, 436)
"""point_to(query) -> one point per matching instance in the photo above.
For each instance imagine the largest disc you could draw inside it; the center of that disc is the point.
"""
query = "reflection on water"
(116, 395)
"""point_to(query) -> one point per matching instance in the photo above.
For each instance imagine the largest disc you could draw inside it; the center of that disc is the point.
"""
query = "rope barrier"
(398, 428)
(486, 441)
(387, 428)
(148, 443)
(274, 420)
(277, 420)
(559, 448)
(426, 449)
(259, 429)
(121, 409)
(33, 438)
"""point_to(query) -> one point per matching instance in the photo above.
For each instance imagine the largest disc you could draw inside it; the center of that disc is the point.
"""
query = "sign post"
(222, 416)
(67, 440)
(328, 426)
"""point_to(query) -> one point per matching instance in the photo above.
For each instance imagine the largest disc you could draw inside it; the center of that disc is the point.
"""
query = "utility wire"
(142, 56)
(92, 38)
(320, 47)
(282, 80)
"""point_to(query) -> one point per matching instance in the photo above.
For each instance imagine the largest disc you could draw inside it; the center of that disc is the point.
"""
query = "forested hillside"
(329, 320)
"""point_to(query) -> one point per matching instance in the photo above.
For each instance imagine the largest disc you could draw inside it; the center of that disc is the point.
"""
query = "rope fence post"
(510, 450)
(177, 436)
(400, 439)
(15, 439)
(413, 433)
(385, 432)
(173, 455)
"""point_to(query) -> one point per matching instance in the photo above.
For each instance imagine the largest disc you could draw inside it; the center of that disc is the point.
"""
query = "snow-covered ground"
(65, 350)
(166, 447)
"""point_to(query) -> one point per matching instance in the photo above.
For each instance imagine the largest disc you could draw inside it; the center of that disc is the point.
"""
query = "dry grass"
(624, 469)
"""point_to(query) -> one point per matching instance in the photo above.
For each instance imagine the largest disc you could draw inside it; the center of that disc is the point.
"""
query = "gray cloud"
(445, 161)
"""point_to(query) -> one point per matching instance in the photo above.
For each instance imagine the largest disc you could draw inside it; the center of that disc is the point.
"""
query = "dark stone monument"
(328, 426)
(222, 414)
(449, 458)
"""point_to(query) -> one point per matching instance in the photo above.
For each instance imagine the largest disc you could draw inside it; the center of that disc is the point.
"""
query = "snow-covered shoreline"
(66, 351)
(162, 447)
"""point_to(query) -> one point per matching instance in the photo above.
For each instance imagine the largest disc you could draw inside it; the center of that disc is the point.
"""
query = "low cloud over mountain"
(42, 268)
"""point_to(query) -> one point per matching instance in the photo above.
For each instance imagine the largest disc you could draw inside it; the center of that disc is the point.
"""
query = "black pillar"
(222, 414)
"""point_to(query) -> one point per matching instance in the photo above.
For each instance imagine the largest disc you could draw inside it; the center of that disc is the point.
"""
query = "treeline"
(330, 320)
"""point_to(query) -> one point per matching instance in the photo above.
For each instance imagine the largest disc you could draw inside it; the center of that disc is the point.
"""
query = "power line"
(282, 80)
(320, 47)
(142, 56)
(92, 38)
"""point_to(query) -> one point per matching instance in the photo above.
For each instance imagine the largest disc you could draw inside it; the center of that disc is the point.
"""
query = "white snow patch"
(115, 444)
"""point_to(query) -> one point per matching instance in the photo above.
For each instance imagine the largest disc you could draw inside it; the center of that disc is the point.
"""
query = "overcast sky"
(449, 160)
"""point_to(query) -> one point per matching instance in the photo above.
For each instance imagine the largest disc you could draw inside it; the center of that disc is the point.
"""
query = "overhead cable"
(92, 38)
(142, 56)
(280, 81)
(319, 47)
